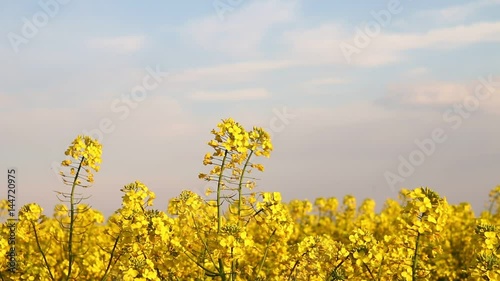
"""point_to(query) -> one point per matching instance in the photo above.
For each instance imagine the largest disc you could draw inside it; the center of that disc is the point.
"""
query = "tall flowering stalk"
(233, 149)
(84, 156)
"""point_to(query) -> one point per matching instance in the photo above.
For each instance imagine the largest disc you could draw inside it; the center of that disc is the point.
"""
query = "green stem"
(207, 271)
(380, 269)
(369, 271)
(415, 259)
(110, 259)
(41, 251)
(219, 211)
(219, 184)
(232, 276)
(296, 264)
(340, 264)
(203, 241)
(221, 270)
(490, 209)
(241, 182)
(72, 220)
(265, 252)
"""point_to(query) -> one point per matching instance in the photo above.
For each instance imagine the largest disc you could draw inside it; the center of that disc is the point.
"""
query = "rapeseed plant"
(236, 232)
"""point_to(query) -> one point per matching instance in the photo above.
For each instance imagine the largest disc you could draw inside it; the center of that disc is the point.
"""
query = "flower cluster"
(251, 235)
(85, 153)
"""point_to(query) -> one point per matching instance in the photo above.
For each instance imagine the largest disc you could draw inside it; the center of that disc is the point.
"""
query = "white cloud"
(241, 71)
(325, 81)
(121, 44)
(244, 30)
(320, 45)
(435, 93)
(432, 94)
(344, 115)
(391, 47)
(322, 86)
(458, 13)
(235, 95)
(446, 38)
(417, 71)
(317, 45)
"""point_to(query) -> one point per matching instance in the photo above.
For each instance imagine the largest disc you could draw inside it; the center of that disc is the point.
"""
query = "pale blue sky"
(355, 116)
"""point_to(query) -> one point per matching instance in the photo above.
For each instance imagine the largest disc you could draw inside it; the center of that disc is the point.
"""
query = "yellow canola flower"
(421, 237)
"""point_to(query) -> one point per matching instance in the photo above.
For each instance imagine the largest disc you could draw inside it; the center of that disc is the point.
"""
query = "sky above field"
(361, 97)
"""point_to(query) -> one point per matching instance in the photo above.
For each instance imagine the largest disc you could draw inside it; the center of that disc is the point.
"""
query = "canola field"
(237, 232)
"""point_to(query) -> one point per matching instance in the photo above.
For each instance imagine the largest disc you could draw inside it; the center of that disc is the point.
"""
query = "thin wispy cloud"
(326, 81)
(239, 71)
(429, 94)
(322, 86)
(321, 44)
(234, 95)
(417, 72)
(458, 13)
(121, 44)
(445, 38)
(440, 95)
(242, 33)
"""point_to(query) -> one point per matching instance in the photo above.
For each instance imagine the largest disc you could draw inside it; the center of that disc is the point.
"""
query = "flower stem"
(265, 252)
(415, 259)
(219, 185)
(41, 251)
(241, 182)
(72, 221)
(219, 211)
(105, 276)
